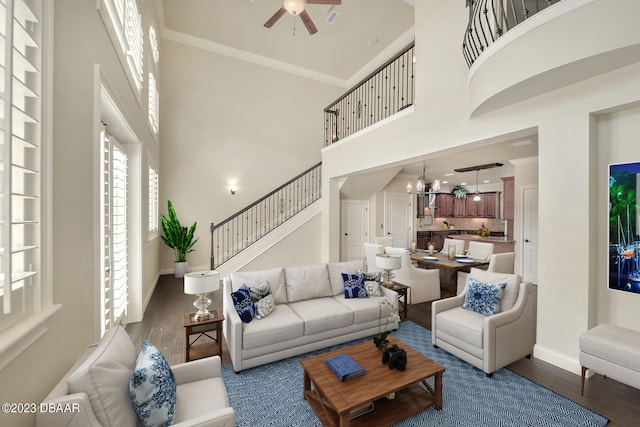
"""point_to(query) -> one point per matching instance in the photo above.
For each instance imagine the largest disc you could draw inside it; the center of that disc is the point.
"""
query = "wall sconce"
(233, 188)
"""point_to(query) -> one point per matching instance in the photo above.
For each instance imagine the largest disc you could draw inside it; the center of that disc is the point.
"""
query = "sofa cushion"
(200, 398)
(281, 325)
(152, 388)
(366, 309)
(243, 304)
(265, 307)
(335, 273)
(483, 298)
(322, 314)
(307, 282)
(465, 325)
(104, 377)
(260, 291)
(510, 292)
(354, 286)
(274, 276)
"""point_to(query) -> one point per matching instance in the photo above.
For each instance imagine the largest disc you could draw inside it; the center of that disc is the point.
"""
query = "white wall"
(567, 166)
(81, 42)
(225, 120)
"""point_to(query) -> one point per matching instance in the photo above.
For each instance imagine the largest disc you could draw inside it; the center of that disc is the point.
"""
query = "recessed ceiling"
(363, 30)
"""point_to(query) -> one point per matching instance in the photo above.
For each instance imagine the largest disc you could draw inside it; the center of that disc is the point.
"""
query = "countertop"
(497, 239)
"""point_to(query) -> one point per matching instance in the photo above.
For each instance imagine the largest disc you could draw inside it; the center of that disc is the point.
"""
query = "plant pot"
(179, 269)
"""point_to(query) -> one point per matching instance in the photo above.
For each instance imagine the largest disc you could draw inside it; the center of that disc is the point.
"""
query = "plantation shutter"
(114, 233)
(20, 163)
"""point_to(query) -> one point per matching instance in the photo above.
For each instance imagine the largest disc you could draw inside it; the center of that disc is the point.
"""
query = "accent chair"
(462, 327)
(480, 250)
(502, 263)
(424, 284)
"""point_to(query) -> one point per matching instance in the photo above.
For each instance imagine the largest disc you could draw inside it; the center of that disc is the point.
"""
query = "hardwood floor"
(162, 326)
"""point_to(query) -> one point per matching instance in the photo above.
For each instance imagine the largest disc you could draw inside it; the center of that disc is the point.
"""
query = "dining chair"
(424, 284)
(459, 244)
(502, 263)
(370, 252)
(480, 250)
(384, 241)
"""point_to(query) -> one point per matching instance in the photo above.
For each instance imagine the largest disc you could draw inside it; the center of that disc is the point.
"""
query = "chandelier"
(422, 185)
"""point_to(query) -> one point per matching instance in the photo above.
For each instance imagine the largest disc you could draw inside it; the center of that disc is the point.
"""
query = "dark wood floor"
(162, 326)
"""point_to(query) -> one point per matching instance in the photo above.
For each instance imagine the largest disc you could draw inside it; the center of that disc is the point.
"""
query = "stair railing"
(244, 228)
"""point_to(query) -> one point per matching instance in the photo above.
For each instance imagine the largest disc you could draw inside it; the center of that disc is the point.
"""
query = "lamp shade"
(201, 282)
(387, 262)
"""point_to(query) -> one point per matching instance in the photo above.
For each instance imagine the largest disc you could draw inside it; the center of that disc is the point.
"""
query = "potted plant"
(178, 238)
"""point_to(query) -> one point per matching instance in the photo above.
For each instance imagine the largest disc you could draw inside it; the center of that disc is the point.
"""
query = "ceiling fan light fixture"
(294, 7)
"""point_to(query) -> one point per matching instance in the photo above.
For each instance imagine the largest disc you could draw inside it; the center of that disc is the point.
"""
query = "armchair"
(488, 342)
(97, 388)
(424, 284)
(370, 252)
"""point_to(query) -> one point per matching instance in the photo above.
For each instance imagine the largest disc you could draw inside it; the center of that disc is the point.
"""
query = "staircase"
(247, 233)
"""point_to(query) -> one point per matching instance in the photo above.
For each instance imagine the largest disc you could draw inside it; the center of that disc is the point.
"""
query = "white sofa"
(311, 312)
(95, 391)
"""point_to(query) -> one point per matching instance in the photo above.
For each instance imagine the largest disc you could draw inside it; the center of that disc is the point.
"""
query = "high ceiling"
(365, 34)
(363, 30)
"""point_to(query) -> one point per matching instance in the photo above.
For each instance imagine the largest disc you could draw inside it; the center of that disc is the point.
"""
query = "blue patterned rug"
(271, 395)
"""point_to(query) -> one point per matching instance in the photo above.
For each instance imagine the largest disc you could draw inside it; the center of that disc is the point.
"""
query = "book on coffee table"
(344, 367)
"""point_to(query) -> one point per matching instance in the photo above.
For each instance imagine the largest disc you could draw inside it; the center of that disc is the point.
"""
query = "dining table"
(448, 268)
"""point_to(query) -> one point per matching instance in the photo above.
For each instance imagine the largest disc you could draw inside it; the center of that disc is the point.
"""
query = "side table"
(402, 293)
(203, 328)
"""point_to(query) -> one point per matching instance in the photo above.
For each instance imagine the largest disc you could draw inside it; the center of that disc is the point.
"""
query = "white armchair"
(459, 244)
(502, 263)
(424, 284)
(480, 250)
(370, 252)
(488, 342)
(98, 386)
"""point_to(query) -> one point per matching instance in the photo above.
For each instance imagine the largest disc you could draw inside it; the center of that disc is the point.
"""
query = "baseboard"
(149, 295)
(557, 359)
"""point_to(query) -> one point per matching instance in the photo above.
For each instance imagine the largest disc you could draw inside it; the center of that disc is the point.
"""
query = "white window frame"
(114, 243)
(124, 25)
(154, 216)
(154, 106)
(16, 335)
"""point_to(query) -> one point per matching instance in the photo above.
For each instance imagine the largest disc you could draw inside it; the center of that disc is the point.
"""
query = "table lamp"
(201, 283)
(387, 263)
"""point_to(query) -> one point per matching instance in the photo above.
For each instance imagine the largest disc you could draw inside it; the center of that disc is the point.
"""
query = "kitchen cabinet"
(444, 205)
(492, 205)
(476, 209)
(460, 208)
(421, 203)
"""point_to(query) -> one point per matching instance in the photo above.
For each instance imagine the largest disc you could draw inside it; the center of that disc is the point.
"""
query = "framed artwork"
(624, 231)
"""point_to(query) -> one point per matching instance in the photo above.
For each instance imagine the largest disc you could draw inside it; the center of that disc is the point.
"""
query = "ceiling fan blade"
(275, 17)
(306, 20)
(324, 1)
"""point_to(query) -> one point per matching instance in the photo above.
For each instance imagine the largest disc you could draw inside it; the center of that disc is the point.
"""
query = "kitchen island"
(501, 244)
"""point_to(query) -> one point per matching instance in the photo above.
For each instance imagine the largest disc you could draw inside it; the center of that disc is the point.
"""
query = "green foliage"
(623, 204)
(177, 237)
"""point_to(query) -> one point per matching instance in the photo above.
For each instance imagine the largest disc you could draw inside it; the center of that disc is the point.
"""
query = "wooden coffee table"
(333, 400)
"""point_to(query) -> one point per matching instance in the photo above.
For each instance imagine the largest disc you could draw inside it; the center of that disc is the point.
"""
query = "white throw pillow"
(307, 282)
(104, 377)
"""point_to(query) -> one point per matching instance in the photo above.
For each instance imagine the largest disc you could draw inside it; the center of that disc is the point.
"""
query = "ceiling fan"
(296, 8)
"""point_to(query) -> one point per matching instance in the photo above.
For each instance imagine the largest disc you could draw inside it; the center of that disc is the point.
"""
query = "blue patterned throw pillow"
(483, 298)
(243, 303)
(354, 286)
(152, 388)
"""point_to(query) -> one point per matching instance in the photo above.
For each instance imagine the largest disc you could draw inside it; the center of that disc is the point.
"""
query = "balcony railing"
(244, 228)
(490, 19)
(384, 92)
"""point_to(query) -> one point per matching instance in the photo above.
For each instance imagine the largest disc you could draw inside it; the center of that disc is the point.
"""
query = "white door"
(354, 229)
(530, 234)
(397, 223)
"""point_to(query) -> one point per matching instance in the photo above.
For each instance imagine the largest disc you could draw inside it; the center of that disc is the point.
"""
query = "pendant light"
(477, 198)
(421, 183)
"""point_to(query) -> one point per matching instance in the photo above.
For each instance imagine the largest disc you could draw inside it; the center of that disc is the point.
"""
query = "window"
(153, 41)
(113, 239)
(25, 300)
(153, 202)
(154, 105)
(124, 24)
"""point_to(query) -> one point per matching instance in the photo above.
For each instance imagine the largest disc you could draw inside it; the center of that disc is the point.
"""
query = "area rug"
(271, 395)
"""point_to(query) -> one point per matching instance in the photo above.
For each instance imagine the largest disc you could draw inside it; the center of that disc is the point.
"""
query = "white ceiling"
(366, 34)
